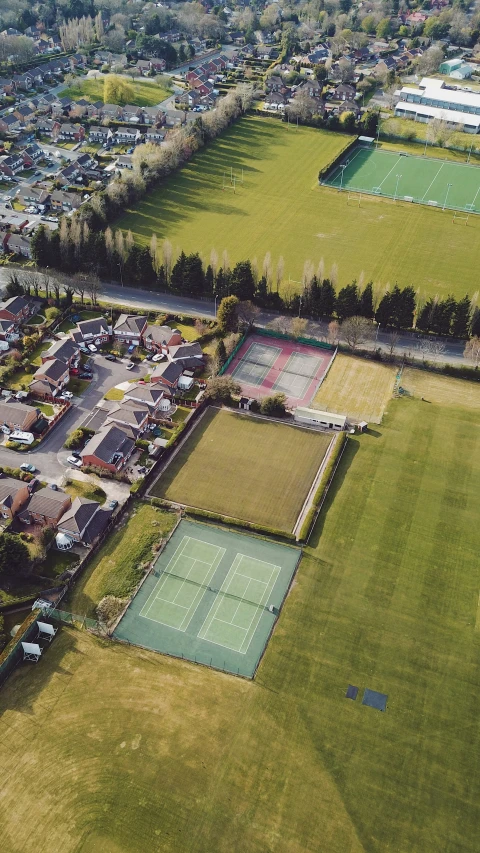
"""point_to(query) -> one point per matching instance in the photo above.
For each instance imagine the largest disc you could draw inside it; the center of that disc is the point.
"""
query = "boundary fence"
(13, 653)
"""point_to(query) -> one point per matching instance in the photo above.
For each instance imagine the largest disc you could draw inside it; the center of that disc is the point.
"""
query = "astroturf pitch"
(209, 596)
(441, 183)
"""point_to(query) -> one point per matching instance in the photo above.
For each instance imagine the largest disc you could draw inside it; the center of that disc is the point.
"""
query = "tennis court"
(266, 366)
(213, 597)
(424, 180)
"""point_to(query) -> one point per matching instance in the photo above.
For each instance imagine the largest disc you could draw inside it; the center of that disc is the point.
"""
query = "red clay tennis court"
(265, 366)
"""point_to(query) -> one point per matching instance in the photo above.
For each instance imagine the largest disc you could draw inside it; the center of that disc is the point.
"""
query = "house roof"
(9, 488)
(107, 442)
(130, 323)
(97, 326)
(129, 412)
(14, 413)
(170, 371)
(5, 325)
(192, 350)
(53, 370)
(97, 525)
(63, 349)
(159, 334)
(148, 394)
(47, 502)
(76, 518)
(14, 304)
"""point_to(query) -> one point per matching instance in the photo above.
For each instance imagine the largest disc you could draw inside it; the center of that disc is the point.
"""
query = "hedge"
(323, 485)
(346, 148)
(238, 522)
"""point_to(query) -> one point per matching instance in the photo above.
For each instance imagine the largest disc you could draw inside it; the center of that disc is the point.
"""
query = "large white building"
(433, 100)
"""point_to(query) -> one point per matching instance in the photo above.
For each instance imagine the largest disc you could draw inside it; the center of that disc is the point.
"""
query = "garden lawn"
(245, 468)
(78, 386)
(56, 562)
(386, 597)
(114, 394)
(281, 209)
(356, 387)
(117, 567)
(146, 93)
(83, 489)
(46, 408)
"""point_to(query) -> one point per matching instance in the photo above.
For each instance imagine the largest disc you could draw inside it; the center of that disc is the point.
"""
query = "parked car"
(74, 371)
(76, 454)
(25, 466)
(67, 395)
(73, 460)
(113, 504)
(86, 375)
(92, 347)
(130, 365)
(131, 349)
(149, 357)
(83, 348)
(158, 356)
(110, 356)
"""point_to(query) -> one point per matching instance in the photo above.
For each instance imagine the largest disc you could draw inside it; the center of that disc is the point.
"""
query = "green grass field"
(357, 388)
(143, 752)
(244, 468)
(281, 209)
(147, 93)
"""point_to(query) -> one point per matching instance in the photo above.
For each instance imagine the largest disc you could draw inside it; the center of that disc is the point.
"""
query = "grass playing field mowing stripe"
(357, 388)
(245, 468)
(385, 598)
(281, 209)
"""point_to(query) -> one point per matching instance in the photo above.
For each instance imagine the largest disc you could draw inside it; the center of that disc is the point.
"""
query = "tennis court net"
(298, 367)
(224, 593)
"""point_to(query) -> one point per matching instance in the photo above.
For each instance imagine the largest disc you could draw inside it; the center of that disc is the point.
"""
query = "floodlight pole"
(341, 177)
(470, 153)
(446, 196)
(396, 188)
(425, 149)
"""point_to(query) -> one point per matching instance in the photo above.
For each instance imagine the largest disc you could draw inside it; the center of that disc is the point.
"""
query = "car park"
(26, 466)
(73, 460)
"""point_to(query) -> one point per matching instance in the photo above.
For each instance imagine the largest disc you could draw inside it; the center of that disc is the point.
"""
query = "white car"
(67, 394)
(130, 365)
(72, 460)
(158, 356)
(92, 347)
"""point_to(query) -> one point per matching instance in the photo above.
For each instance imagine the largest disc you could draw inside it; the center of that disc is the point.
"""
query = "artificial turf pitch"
(443, 183)
(208, 598)
(281, 209)
(244, 467)
(139, 751)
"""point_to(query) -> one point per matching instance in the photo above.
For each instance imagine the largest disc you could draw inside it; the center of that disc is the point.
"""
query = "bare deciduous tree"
(201, 327)
(280, 272)
(472, 350)
(357, 331)
(247, 313)
(93, 288)
(298, 327)
(167, 253)
(333, 332)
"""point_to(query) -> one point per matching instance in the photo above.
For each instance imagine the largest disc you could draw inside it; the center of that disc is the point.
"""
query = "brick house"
(12, 164)
(344, 92)
(50, 378)
(33, 152)
(18, 244)
(91, 331)
(34, 195)
(24, 113)
(8, 331)
(145, 394)
(17, 415)
(14, 494)
(167, 375)
(100, 134)
(17, 309)
(129, 329)
(70, 132)
(63, 201)
(109, 448)
(10, 124)
(158, 65)
(129, 414)
(160, 338)
(84, 521)
(64, 350)
(189, 356)
(46, 507)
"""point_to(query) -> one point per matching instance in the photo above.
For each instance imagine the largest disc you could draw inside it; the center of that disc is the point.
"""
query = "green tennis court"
(438, 183)
(213, 597)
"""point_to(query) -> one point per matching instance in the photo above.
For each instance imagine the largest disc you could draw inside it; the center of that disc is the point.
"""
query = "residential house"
(344, 92)
(25, 113)
(132, 114)
(86, 161)
(203, 86)
(70, 173)
(14, 494)
(189, 356)
(95, 110)
(153, 116)
(109, 448)
(12, 223)
(143, 66)
(64, 350)
(50, 378)
(167, 374)
(7, 87)
(8, 331)
(12, 164)
(23, 82)
(100, 134)
(10, 124)
(129, 329)
(131, 415)
(91, 331)
(71, 133)
(191, 98)
(61, 107)
(275, 101)
(84, 522)
(127, 135)
(46, 507)
(34, 195)
(124, 162)
(33, 152)
(112, 112)
(161, 338)
(416, 18)
(17, 415)
(17, 309)
(62, 201)
(78, 60)
(47, 126)
(156, 135)
(350, 107)
(145, 394)
(157, 65)
(18, 244)
(79, 109)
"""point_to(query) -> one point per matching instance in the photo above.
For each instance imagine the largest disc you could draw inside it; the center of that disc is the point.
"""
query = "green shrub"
(136, 486)
(238, 522)
(323, 485)
(142, 443)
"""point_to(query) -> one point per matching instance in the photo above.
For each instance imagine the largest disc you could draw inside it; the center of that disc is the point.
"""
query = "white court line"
(218, 600)
(155, 594)
(432, 182)
(399, 160)
(349, 161)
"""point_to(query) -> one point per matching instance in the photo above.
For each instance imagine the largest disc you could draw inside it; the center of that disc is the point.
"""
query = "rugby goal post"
(460, 218)
(354, 198)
